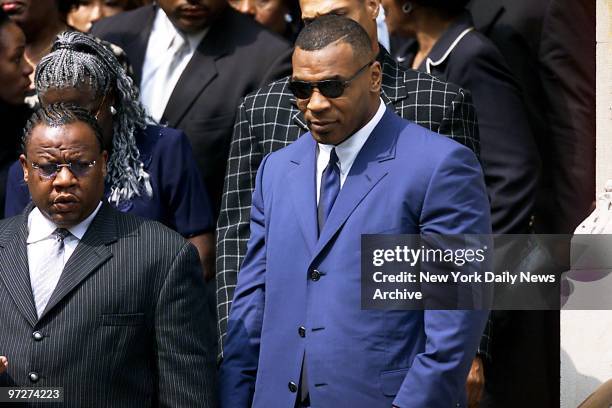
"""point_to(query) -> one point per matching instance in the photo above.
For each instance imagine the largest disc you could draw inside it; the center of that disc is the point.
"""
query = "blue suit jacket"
(405, 180)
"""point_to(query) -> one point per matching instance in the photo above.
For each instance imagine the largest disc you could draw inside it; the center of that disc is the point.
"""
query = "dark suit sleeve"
(455, 203)
(184, 361)
(241, 353)
(17, 193)
(190, 208)
(508, 152)
(460, 121)
(567, 54)
(233, 224)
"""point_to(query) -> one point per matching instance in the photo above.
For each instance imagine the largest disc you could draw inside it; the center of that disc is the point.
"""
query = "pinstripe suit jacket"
(125, 324)
(269, 119)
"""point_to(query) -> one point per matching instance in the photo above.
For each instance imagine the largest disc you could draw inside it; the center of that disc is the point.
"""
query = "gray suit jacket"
(125, 326)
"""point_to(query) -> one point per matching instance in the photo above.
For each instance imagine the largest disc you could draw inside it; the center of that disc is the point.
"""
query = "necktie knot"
(61, 233)
(333, 158)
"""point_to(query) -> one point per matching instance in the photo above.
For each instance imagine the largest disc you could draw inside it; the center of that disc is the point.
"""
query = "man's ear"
(104, 162)
(24, 167)
(375, 77)
(373, 7)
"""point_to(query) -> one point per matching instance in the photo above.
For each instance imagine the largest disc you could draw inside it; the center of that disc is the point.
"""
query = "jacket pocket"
(123, 319)
(391, 381)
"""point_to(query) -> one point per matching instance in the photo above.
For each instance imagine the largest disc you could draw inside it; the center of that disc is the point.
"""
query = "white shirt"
(40, 242)
(346, 151)
(159, 52)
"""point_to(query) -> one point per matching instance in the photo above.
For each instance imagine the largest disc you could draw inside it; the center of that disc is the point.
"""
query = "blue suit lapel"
(367, 170)
(303, 190)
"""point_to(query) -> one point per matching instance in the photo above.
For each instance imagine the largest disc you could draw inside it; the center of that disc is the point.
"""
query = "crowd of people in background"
(191, 96)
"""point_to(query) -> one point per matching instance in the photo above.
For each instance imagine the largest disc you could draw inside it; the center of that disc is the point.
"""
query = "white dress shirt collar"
(348, 150)
(164, 63)
(40, 227)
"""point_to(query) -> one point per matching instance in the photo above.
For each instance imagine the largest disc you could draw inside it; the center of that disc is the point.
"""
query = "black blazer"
(125, 326)
(236, 57)
(507, 148)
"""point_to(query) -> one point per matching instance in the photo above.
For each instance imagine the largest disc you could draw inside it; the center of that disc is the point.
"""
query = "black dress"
(13, 119)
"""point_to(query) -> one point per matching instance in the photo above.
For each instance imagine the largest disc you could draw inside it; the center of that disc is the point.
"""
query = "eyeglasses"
(330, 88)
(49, 171)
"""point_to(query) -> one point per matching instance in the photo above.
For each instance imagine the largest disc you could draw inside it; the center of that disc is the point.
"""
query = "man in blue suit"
(297, 335)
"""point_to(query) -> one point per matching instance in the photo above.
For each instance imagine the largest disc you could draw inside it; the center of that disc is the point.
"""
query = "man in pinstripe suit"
(108, 306)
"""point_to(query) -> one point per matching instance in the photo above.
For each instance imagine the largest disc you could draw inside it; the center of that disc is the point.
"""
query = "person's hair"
(329, 29)
(448, 7)
(64, 6)
(58, 115)
(78, 60)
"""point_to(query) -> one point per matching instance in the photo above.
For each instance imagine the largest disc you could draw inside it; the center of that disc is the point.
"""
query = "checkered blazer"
(268, 120)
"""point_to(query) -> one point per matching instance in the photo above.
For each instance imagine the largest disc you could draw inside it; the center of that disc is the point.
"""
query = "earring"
(407, 8)
(113, 111)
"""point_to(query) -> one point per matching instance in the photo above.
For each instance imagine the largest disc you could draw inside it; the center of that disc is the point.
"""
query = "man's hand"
(205, 244)
(3, 364)
(475, 383)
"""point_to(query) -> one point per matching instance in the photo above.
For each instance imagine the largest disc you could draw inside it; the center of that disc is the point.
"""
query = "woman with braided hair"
(151, 169)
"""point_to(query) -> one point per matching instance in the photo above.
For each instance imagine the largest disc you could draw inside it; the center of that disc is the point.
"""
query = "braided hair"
(78, 60)
(61, 114)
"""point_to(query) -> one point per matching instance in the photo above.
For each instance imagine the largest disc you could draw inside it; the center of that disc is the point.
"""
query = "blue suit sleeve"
(17, 193)
(455, 203)
(241, 351)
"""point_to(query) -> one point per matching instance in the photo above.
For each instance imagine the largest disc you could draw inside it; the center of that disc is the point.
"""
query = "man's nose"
(317, 102)
(64, 178)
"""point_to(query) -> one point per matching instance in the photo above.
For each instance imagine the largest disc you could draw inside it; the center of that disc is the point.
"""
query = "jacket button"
(302, 331)
(38, 336)
(292, 386)
(315, 275)
(33, 376)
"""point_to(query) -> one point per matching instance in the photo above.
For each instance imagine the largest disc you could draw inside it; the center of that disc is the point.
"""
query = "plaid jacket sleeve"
(233, 223)
(459, 121)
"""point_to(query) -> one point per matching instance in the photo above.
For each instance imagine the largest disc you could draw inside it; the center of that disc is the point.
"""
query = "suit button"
(292, 387)
(315, 275)
(302, 331)
(38, 336)
(33, 377)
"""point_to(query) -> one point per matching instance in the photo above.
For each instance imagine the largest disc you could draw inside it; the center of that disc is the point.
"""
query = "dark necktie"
(330, 187)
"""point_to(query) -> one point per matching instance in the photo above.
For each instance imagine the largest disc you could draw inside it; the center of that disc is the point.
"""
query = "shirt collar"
(40, 227)
(169, 31)
(348, 150)
(448, 41)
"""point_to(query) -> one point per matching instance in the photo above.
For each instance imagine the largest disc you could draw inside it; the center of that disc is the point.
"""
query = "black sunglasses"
(330, 88)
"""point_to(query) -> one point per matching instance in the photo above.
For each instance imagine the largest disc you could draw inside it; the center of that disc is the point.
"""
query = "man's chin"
(65, 219)
(191, 25)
